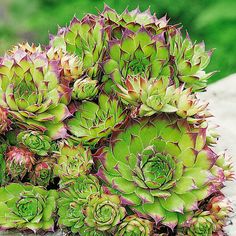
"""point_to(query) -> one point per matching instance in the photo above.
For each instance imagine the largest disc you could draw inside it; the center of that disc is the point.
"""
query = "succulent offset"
(190, 59)
(72, 162)
(202, 224)
(219, 207)
(19, 162)
(36, 142)
(103, 212)
(31, 90)
(84, 89)
(133, 225)
(85, 38)
(93, 121)
(137, 54)
(72, 199)
(42, 173)
(102, 132)
(27, 207)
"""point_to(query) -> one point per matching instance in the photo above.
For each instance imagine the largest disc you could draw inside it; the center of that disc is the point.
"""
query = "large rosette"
(160, 167)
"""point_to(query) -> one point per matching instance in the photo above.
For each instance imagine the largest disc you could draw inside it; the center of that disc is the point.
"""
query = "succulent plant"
(85, 38)
(25, 47)
(92, 121)
(222, 170)
(19, 162)
(133, 225)
(4, 120)
(84, 89)
(72, 200)
(32, 92)
(70, 215)
(72, 162)
(27, 207)
(107, 118)
(150, 96)
(188, 106)
(42, 174)
(190, 60)
(160, 166)
(104, 212)
(137, 54)
(133, 20)
(70, 65)
(212, 134)
(147, 96)
(220, 209)
(201, 224)
(35, 141)
(81, 188)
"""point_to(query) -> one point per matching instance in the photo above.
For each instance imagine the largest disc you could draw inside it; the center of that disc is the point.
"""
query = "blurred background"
(211, 20)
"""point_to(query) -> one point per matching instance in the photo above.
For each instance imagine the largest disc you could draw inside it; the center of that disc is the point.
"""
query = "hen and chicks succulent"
(102, 132)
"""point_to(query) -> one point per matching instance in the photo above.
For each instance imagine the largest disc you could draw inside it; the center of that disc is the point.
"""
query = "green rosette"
(27, 207)
(72, 200)
(135, 226)
(35, 141)
(104, 212)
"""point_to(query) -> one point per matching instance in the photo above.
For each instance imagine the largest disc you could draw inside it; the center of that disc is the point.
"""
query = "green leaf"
(163, 53)
(121, 151)
(4, 210)
(199, 176)
(15, 189)
(4, 195)
(124, 185)
(142, 38)
(173, 203)
(128, 45)
(115, 52)
(202, 193)
(188, 157)
(170, 220)
(155, 210)
(144, 195)
(186, 141)
(60, 112)
(204, 159)
(184, 185)
(110, 66)
(172, 149)
(190, 201)
(55, 131)
(70, 38)
(10, 98)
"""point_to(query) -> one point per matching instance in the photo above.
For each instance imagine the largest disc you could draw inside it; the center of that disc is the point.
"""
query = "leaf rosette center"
(157, 169)
(28, 208)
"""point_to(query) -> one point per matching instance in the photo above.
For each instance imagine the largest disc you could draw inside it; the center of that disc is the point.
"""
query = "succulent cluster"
(102, 132)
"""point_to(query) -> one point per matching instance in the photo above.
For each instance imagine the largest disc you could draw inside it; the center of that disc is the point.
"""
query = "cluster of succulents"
(102, 132)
